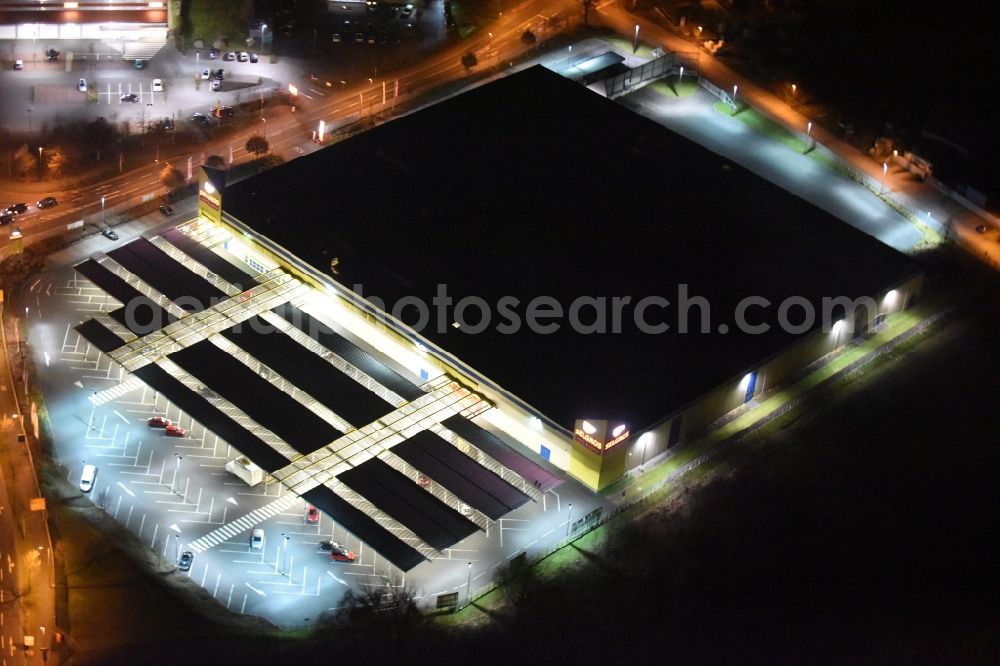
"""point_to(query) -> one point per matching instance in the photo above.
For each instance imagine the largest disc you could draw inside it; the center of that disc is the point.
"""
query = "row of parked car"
(229, 56)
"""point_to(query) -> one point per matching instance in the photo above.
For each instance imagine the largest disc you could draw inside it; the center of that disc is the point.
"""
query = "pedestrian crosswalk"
(229, 530)
(115, 392)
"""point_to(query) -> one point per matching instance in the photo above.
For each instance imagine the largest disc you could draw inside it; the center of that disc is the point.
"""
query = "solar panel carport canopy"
(207, 258)
(465, 478)
(307, 371)
(139, 313)
(349, 351)
(258, 398)
(155, 267)
(395, 515)
(422, 513)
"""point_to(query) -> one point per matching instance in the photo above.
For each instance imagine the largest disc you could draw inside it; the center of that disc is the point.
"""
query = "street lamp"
(263, 29)
(885, 169)
(104, 220)
(569, 518)
(635, 39)
(177, 548)
(39, 162)
(468, 586)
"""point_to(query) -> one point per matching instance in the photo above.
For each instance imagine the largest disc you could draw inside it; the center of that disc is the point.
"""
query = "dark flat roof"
(535, 186)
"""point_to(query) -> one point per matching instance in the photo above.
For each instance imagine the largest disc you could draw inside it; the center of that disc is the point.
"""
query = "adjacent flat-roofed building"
(532, 195)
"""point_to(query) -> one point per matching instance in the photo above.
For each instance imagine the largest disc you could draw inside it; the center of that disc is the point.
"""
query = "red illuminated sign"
(596, 445)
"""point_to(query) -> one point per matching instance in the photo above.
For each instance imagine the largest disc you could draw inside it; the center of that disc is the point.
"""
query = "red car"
(341, 554)
(175, 431)
(312, 514)
(158, 422)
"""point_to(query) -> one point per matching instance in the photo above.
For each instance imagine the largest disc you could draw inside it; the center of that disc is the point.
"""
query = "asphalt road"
(27, 604)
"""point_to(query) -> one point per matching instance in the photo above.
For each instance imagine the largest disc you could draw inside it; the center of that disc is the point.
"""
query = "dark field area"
(864, 531)
(912, 64)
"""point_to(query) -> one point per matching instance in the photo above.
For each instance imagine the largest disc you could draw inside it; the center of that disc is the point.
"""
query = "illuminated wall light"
(645, 438)
(536, 423)
(209, 187)
(838, 325)
(891, 296)
(71, 5)
(155, 5)
(745, 382)
(618, 430)
(420, 348)
(589, 428)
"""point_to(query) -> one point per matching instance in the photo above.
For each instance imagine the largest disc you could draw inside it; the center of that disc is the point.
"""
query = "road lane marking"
(125, 488)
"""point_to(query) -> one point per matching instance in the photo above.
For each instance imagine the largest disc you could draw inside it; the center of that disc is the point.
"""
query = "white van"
(87, 478)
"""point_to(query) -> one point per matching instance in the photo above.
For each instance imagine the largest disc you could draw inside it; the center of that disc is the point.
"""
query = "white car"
(243, 56)
(257, 539)
(82, 85)
(205, 74)
(87, 478)
(157, 85)
(215, 84)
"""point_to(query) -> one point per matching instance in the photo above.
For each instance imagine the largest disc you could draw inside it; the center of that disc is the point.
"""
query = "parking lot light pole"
(284, 553)
(468, 586)
(177, 548)
(104, 220)
(569, 518)
(93, 409)
(177, 473)
(635, 39)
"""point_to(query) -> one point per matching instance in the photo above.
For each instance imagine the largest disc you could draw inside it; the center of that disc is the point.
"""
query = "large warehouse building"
(535, 197)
